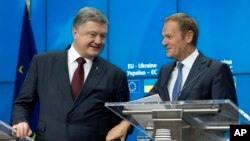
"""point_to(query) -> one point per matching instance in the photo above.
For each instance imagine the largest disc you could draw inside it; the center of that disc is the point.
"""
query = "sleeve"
(122, 94)
(23, 104)
(223, 86)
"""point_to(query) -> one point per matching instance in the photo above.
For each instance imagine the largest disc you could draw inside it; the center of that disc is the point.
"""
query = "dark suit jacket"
(215, 82)
(61, 118)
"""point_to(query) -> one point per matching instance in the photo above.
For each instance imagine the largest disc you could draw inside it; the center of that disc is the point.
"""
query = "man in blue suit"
(202, 78)
(83, 116)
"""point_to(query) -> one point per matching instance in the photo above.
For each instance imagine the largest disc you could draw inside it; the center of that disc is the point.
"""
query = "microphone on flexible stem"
(209, 62)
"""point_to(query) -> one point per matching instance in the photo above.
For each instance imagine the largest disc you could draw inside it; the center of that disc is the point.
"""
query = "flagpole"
(28, 8)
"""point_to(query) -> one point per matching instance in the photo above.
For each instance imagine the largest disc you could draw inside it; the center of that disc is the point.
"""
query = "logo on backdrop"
(134, 86)
(142, 69)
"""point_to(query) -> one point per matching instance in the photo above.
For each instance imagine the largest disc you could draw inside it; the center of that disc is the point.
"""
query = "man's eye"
(103, 36)
(92, 35)
(170, 37)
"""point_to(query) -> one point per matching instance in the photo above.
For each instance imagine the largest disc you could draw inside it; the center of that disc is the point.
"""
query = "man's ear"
(74, 32)
(189, 36)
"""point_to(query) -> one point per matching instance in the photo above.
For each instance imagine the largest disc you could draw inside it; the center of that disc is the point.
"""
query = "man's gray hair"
(89, 14)
(185, 23)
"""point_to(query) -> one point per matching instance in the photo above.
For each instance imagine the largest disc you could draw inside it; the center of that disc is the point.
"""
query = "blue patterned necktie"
(177, 85)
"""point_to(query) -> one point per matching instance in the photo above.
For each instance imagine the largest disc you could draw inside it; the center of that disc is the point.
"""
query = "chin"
(94, 54)
(168, 55)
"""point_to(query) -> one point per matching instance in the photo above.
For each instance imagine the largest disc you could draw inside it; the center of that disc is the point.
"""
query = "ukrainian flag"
(148, 84)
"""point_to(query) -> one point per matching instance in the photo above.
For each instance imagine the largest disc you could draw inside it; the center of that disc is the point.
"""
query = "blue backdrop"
(134, 38)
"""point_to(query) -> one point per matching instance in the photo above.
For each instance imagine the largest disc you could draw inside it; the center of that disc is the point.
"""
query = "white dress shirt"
(72, 63)
(187, 65)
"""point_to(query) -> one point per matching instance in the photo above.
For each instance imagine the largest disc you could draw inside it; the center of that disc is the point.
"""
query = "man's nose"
(164, 42)
(98, 40)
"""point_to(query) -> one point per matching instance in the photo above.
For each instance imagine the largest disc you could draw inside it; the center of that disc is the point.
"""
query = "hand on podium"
(21, 130)
(118, 132)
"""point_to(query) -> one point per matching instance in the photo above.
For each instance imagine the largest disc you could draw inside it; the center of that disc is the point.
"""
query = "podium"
(6, 133)
(193, 120)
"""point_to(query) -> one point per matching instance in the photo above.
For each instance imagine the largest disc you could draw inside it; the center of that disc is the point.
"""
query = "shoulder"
(46, 56)
(50, 54)
(212, 62)
(220, 65)
(49, 58)
(107, 65)
(215, 64)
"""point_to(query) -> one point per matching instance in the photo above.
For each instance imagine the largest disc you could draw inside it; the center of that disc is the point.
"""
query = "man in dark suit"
(202, 78)
(83, 116)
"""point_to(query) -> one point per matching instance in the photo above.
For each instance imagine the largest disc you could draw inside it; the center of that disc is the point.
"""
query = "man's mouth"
(96, 47)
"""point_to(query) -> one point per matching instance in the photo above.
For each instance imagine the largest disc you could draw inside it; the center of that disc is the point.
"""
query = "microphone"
(209, 62)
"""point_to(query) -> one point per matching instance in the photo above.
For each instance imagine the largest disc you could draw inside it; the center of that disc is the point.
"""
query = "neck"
(189, 50)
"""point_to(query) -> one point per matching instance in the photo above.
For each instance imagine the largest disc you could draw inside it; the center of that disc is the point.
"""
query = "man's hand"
(118, 132)
(21, 130)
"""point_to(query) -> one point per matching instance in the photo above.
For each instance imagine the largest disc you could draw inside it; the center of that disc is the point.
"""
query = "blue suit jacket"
(215, 82)
(61, 118)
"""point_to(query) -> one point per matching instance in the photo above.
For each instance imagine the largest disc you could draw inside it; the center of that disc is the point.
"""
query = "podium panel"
(193, 120)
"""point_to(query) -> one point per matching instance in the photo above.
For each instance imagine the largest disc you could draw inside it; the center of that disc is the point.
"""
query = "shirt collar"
(73, 55)
(188, 62)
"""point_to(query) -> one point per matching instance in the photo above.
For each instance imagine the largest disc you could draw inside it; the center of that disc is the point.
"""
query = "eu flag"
(26, 51)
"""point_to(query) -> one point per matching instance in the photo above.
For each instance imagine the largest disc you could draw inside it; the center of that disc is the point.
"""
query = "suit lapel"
(166, 76)
(96, 73)
(62, 78)
(198, 66)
